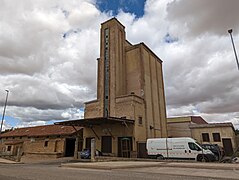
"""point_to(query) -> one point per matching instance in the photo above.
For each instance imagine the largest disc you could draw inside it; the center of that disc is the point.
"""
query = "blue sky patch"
(169, 39)
(10, 120)
(130, 6)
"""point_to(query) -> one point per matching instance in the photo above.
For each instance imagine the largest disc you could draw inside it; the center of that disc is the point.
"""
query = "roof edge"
(114, 18)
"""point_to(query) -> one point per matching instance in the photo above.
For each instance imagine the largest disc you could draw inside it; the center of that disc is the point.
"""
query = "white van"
(178, 148)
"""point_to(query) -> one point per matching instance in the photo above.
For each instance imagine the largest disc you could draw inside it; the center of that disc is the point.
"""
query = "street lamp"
(4, 110)
(230, 32)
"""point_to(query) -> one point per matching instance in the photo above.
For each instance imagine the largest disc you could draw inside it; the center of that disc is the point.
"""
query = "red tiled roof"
(198, 120)
(47, 130)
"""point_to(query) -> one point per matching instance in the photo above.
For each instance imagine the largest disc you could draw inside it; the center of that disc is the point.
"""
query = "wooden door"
(106, 144)
(142, 151)
(227, 145)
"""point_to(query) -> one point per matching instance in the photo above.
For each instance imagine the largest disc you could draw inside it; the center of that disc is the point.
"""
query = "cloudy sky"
(48, 52)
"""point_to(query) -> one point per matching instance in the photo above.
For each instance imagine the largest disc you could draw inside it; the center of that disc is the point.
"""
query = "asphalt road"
(54, 172)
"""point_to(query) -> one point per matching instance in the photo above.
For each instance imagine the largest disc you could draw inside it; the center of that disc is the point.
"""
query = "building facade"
(50, 141)
(130, 96)
(222, 134)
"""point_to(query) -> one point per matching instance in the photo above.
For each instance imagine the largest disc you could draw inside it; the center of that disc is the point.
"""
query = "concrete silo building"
(130, 104)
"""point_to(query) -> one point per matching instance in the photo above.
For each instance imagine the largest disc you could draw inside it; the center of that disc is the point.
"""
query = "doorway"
(142, 151)
(70, 147)
(106, 144)
(227, 145)
(124, 146)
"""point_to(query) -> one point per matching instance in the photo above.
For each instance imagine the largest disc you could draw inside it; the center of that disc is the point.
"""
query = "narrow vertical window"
(9, 148)
(45, 143)
(205, 137)
(140, 120)
(216, 137)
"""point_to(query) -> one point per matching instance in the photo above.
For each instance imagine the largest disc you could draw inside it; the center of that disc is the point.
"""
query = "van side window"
(193, 146)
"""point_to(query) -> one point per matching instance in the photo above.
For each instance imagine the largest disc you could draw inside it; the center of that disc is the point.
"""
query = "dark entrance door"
(70, 147)
(142, 151)
(227, 145)
(106, 144)
(124, 146)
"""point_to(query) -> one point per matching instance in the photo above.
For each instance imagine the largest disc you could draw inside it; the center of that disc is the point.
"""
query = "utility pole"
(233, 45)
(4, 110)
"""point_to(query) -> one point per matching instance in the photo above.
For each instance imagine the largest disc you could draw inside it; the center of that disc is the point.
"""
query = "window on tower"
(140, 120)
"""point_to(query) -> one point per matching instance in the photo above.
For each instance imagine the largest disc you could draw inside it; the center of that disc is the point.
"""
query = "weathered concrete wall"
(133, 71)
(154, 94)
(34, 145)
(133, 107)
(180, 129)
(225, 132)
(93, 109)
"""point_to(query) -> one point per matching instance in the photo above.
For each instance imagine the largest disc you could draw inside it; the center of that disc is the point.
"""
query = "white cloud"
(197, 17)
(48, 52)
(46, 73)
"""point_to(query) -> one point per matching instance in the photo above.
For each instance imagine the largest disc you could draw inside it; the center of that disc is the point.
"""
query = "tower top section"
(111, 22)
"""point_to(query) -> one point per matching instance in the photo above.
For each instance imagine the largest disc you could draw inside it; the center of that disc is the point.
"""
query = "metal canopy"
(96, 121)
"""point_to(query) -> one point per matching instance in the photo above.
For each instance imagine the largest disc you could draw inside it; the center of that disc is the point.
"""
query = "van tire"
(202, 158)
(159, 157)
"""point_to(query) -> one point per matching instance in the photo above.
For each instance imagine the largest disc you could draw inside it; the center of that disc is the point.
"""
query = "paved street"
(44, 171)
(191, 172)
(52, 172)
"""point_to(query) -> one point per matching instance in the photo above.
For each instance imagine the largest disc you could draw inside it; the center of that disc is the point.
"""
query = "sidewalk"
(143, 164)
(6, 161)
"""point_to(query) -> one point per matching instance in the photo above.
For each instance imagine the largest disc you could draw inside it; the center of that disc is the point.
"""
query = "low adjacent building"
(197, 128)
(222, 134)
(50, 141)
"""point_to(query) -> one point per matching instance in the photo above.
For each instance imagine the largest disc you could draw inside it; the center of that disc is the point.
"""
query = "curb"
(195, 166)
(108, 167)
(1, 162)
(160, 164)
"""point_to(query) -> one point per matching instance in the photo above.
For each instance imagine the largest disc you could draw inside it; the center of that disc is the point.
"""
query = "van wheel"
(159, 157)
(202, 158)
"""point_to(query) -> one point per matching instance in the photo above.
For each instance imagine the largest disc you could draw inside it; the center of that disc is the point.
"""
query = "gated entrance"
(124, 146)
